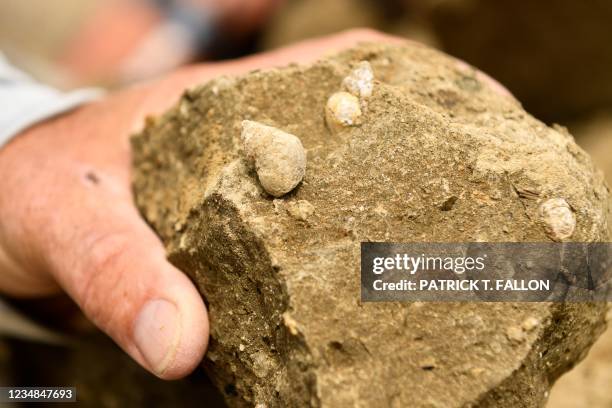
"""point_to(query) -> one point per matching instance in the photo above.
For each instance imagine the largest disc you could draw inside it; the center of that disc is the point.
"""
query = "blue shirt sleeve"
(25, 102)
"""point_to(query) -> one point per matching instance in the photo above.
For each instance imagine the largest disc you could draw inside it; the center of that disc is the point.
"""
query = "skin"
(68, 221)
(117, 28)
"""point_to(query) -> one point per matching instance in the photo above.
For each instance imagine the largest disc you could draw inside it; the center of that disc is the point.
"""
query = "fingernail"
(157, 331)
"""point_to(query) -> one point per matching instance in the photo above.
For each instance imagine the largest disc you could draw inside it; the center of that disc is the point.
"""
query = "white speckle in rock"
(558, 218)
(530, 323)
(515, 333)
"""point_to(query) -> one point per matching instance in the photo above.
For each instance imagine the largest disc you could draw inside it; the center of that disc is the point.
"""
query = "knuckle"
(364, 33)
(101, 271)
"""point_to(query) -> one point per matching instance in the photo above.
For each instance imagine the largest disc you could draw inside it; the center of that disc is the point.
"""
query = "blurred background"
(554, 55)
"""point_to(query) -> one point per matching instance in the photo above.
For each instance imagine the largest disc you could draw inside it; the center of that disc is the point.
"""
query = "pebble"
(278, 157)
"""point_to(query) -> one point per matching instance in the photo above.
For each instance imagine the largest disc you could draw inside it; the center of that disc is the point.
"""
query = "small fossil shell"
(360, 81)
(558, 218)
(342, 110)
(278, 157)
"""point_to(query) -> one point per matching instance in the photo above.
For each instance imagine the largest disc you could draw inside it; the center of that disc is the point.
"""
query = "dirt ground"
(588, 384)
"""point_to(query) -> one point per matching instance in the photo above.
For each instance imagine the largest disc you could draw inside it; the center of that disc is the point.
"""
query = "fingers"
(114, 267)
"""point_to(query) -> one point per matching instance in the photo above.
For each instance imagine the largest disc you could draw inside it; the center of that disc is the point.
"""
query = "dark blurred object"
(301, 19)
(594, 134)
(103, 375)
(56, 346)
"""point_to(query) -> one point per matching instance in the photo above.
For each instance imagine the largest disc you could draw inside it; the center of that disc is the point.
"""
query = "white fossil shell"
(558, 218)
(342, 110)
(360, 81)
(278, 157)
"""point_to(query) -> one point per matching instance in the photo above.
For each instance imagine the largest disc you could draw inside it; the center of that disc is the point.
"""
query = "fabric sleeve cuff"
(35, 103)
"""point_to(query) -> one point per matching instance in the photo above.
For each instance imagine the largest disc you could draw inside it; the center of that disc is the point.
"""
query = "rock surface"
(282, 285)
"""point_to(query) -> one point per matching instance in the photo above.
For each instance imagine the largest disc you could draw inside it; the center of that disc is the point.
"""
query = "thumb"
(114, 267)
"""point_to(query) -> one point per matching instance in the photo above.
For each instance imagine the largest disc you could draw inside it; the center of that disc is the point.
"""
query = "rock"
(287, 324)
(301, 210)
(595, 136)
(588, 385)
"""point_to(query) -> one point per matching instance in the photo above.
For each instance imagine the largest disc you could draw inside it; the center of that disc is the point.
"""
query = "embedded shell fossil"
(278, 157)
(558, 218)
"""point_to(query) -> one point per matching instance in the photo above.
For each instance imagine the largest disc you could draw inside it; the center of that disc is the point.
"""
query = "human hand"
(68, 221)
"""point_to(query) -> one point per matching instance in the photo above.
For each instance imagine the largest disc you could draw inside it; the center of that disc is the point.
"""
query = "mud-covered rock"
(281, 276)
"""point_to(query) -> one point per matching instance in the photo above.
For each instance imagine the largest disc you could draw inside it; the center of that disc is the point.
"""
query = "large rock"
(281, 276)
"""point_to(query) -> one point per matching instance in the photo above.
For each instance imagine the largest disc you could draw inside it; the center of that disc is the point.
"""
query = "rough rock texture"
(281, 276)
